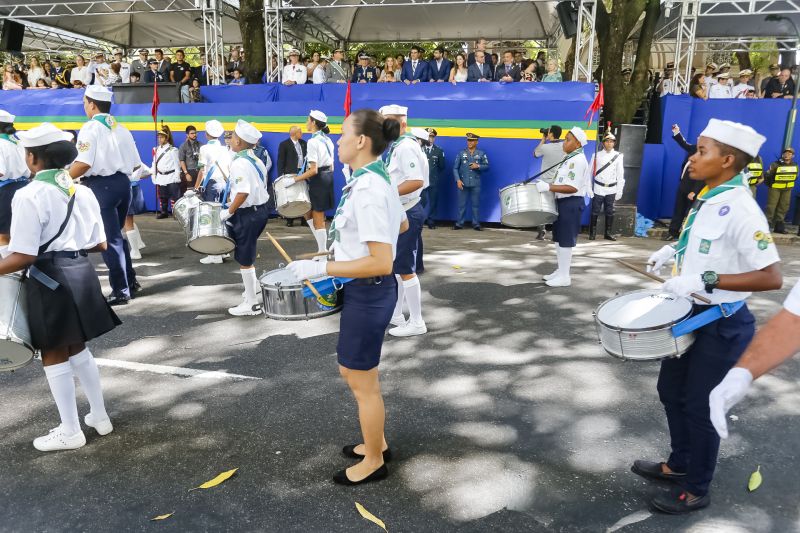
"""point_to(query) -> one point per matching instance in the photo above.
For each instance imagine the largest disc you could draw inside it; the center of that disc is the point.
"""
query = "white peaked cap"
(734, 134)
(318, 115)
(42, 135)
(580, 135)
(247, 132)
(96, 92)
(5, 116)
(420, 133)
(214, 128)
(393, 109)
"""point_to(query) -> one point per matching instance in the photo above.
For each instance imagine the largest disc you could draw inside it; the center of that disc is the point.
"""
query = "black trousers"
(166, 193)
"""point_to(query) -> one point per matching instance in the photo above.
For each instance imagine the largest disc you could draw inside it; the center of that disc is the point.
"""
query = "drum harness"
(594, 178)
(37, 274)
(228, 181)
(570, 156)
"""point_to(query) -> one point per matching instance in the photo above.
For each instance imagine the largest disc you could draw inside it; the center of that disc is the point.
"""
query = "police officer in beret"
(430, 195)
(469, 165)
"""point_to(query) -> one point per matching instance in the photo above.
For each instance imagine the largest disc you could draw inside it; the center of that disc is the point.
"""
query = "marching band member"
(214, 164)
(607, 185)
(364, 233)
(136, 207)
(166, 171)
(569, 186)
(408, 168)
(725, 252)
(105, 160)
(423, 138)
(247, 213)
(319, 173)
(14, 173)
(55, 224)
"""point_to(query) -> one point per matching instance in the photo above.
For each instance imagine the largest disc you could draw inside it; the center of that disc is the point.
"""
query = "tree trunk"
(251, 24)
(744, 60)
(569, 63)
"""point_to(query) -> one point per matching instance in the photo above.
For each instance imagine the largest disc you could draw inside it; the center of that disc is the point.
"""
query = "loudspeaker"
(630, 142)
(568, 17)
(142, 93)
(11, 36)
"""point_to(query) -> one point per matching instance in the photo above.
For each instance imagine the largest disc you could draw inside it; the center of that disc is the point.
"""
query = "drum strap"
(326, 286)
(33, 271)
(3, 183)
(707, 317)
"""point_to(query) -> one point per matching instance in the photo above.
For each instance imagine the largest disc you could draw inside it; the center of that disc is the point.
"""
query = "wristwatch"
(711, 280)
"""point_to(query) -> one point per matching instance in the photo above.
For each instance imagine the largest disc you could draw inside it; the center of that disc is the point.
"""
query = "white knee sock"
(414, 298)
(250, 284)
(62, 386)
(322, 239)
(310, 223)
(398, 307)
(84, 366)
(139, 242)
(564, 261)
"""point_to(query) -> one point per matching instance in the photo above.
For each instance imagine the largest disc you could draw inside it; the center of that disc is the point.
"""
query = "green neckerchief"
(702, 197)
(394, 145)
(106, 120)
(7, 137)
(57, 178)
(376, 167)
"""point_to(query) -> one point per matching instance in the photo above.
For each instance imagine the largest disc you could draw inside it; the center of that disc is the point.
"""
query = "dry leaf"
(755, 480)
(456, 267)
(217, 480)
(371, 517)
(161, 517)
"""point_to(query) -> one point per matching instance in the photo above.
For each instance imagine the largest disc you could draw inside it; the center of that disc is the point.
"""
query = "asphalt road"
(506, 416)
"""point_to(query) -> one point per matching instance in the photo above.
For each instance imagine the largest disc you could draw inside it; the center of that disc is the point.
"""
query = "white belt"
(411, 203)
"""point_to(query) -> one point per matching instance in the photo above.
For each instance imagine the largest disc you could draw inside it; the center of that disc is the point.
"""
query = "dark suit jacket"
(443, 73)
(487, 59)
(164, 68)
(152, 77)
(474, 72)
(514, 72)
(422, 73)
(287, 157)
(197, 72)
(687, 184)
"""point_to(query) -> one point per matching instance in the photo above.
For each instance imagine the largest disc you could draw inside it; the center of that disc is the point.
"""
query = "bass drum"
(207, 233)
(16, 345)
(293, 201)
(284, 300)
(523, 206)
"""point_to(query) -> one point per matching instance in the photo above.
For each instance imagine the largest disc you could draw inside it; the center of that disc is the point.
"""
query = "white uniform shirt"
(615, 173)
(792, 302)
(667, 86)
(318, 76)
(719, 90)
(39, 210)
(215, 154)
(740, 90)
(730, 235)
(245, 179)
(575, 173)
(166, 160)
(372, 213)
(12, 161)
(125, 72)
(297, 73)
(709, 81)
(101, 72)
(127, 149)
(81, 73)
(408, 162)
(319, 150)
(99, 148)
(551, 153)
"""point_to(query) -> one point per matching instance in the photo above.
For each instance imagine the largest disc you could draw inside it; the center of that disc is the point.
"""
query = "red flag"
(595, 107)
(348, 101)
(156, 101)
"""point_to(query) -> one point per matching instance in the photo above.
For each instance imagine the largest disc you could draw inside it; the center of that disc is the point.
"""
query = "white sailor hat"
(723, 75)
(734, 134)
(713, 66)
(318, 115)
(609, 135)
(99, 93)
(5, 116)
(420, 133)
(42, 135)
(247, 132)
(294, 52)
(745, 72)
(393, 109)
(580, 135)
(214, 128)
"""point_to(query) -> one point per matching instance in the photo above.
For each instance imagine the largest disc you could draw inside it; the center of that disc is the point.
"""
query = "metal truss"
(337, 4)
(725, 8)
(685, 45)
(214, 44)
(273, 38)
(584, 41)
(31, 10)
(40, 38)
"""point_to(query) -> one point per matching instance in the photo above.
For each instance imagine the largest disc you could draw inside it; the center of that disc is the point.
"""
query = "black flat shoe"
(349, 451)
(458, 227)
(477, 228)
(135, 287)
(340, 478)
(609, 237)
(117, 300)
(162, 216)
(677, 501)
(651, 470)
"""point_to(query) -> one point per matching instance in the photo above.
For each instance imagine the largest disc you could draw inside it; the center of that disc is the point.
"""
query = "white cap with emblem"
(99, 93)
(733, 134)
(42, 135)
(247, 132)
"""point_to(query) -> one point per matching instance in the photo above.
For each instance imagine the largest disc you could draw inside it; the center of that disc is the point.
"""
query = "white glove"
(590, 192)
(618, 196)
(542, 186)
(306, 269)
(225, 215)
(727, 394)
(684, 285)
(288, 182)
(660, 258)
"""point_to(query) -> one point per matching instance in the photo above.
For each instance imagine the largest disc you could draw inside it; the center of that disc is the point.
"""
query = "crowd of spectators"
(717, 82)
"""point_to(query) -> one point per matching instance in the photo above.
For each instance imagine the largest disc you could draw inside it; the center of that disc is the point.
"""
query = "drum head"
(294, 209)
(528, 219)
(14, 355)
(641, 310)
(212, 245)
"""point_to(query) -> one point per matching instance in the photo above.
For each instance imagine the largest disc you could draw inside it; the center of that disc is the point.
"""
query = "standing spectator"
(508, 71)
(188, 158)
(35, 72)
(430, 195)
(520, 61)
(480, 46)
(782, 86)
(780, 179)
(469, 165)
(163, 63)
(311, 66)
(721, 89)
(294, 73)
(440, 67)
(725, 68)
(741, 89)
(195, 96)
(551, 150)
(493, 59)
(401, 59)
(774, 70)
(552, 73)
(201, 72)
(59, 73)
(338, 71)
(667, 85)
(236, 62)
(114, 75)
(364, 73)
(415, 69)
(687, 188)
(459, 72)
(626, 76)
(124, 67)
(99, 69)
(181, 72)
(239, 80)
(318, 75)
(140, 64)
(479, 71)
(12, 80)
(697, 87)
(540, 65)
(80, 72)
(154, 75)
(389, 70)
(709, 79)
(48, 72)
(291, 156)
(373, 63)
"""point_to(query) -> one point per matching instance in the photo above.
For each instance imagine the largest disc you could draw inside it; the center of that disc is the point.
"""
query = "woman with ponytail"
(166, 171)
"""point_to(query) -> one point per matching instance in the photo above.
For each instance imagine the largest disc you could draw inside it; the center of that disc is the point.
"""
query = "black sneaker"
(117, 300)
(678, 501)
(651, 470)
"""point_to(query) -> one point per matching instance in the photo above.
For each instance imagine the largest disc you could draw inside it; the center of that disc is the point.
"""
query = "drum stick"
(659, 279)
(286, 256)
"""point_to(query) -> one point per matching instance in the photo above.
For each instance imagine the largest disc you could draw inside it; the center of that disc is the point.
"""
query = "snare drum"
(522, 205)
(16, 348)
(284, 300)
(294, 201)
(637, 326)
(207, 233)
(183, 208)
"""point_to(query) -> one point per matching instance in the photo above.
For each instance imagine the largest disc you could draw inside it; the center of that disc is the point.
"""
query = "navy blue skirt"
(366, 312)
(568, 224)
(137, 205)
(405, 262)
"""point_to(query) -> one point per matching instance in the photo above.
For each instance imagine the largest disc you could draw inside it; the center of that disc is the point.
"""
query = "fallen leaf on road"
(217, 480)
(161, 517)
(369, 516)
(755, 480)
(456, 267)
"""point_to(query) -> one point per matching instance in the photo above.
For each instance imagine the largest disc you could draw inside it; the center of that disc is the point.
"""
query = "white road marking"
(632, 518)
(170, 370)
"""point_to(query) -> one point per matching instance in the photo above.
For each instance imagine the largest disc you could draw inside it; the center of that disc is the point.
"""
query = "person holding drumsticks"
(14, 173)
(569, 186)
(725, 252)
(364, 233)
(55, 224)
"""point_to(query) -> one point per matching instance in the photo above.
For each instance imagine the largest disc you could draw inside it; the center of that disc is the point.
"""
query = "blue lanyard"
(706, 317)
(3, 183)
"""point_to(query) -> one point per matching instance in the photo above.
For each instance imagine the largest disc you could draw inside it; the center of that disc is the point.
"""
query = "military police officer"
(430, 195)
(469, 165)
(755, 174)
(606, 186)
(780, 179)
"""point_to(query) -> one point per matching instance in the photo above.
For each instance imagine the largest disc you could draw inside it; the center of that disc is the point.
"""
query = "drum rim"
(298, 284)
(654, 328)
(23, 343)
(190, 241)
(515, 185)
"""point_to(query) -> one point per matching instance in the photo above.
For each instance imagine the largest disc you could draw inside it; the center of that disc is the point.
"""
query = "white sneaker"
(548, 277)
(135, 254)
(103, 426)
(212, 260)
(564, 281)
(226, 256)
(246, 309)
(409, 329)
(56, 440)
(398, 321)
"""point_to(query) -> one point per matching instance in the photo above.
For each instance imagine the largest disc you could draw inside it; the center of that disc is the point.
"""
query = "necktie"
(413, 66)
(299, 154)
